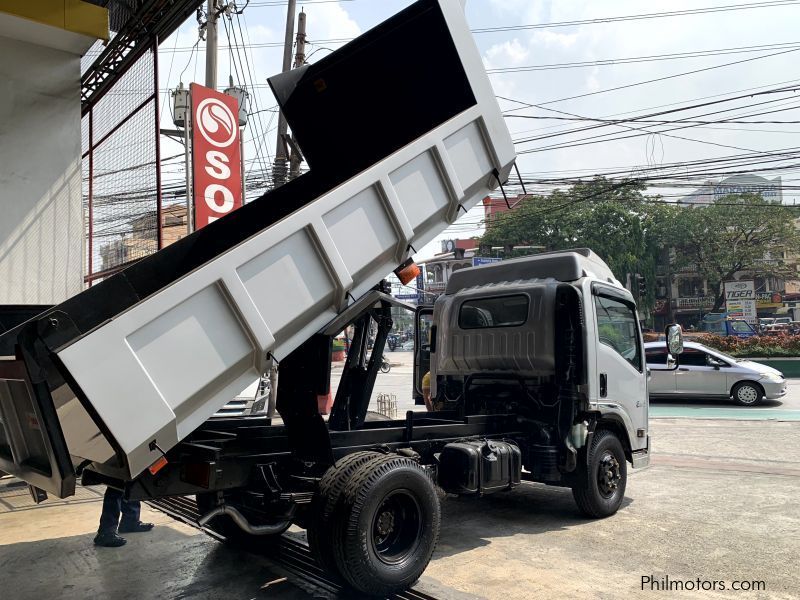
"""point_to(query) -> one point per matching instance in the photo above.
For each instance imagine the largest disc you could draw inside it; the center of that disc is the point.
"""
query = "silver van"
(708, 373)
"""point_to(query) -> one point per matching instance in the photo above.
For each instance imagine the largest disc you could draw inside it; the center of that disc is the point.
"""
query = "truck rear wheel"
(600, 487)
(325, 501)
(386, 526)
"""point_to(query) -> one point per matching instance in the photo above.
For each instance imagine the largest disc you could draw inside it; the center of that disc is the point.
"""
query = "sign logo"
(216, 123)
(217, 160)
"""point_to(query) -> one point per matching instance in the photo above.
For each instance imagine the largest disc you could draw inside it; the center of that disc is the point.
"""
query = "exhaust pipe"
(244, 524)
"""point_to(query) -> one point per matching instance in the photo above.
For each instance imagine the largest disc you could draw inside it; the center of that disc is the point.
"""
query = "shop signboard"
(740, 300)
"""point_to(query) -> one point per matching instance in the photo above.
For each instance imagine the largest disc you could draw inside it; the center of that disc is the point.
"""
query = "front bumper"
(641, 458)
(773, 389)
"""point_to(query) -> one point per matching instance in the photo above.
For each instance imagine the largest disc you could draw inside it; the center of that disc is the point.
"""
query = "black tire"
(224, 525)
(385, 366)
(747, 393)
(600, 487)
(325, 501)
(387, 526)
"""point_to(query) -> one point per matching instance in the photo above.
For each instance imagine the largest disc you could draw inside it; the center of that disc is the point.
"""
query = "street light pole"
(279, 168)
(211, 44)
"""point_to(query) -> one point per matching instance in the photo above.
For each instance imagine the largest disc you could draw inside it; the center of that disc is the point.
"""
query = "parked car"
(707, 373)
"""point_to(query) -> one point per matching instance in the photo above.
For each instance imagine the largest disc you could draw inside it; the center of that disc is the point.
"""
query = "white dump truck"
(536, 364)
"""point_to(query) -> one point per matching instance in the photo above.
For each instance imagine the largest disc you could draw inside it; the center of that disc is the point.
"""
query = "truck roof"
(561, 265)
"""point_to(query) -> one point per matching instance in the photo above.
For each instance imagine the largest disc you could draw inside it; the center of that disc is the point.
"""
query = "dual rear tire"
(375, 522)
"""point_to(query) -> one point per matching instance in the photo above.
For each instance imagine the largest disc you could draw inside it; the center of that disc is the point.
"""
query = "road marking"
(742, 414)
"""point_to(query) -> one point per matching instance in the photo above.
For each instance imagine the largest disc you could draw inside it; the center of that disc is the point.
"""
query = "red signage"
(216, 164)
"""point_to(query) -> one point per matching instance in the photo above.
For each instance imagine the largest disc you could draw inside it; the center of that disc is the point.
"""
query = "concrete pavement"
(718, 504)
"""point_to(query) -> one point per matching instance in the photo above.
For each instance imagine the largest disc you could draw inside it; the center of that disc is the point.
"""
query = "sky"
(531, 52)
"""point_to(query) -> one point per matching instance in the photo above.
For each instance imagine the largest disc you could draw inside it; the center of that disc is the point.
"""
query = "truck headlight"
(772, 377)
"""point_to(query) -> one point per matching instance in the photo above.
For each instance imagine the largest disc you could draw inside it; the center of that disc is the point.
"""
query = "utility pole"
(279, 168)
(211, 44)
(299, 60)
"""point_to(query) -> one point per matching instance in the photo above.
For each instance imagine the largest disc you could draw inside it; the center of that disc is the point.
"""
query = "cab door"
(424, 335)
(697, 376)
(620, 360)
(662, 376)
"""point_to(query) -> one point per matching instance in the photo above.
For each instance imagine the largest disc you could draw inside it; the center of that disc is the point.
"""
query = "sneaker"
(137, 528)
(109, 540)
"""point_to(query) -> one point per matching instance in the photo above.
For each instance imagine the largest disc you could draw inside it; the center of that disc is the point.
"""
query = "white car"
(707, 373)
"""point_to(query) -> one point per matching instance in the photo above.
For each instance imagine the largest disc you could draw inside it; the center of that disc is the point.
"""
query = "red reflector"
(158, 465)
(407, 272)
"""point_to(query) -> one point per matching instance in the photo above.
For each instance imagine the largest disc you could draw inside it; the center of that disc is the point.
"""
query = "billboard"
(769, 300)
(216, 155)
(740, 300)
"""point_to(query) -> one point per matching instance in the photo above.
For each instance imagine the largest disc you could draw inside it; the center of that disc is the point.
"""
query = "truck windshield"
(741, 327)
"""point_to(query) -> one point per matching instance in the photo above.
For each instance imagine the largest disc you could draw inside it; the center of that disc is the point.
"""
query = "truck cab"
(554, 338)
(725, 326)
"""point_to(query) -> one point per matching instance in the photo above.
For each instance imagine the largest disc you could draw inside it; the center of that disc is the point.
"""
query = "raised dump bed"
(397, 143)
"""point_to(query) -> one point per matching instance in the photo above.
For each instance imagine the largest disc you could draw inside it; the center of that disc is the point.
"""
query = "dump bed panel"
(177, 335)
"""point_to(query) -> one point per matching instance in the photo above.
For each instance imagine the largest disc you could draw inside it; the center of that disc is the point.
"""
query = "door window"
(618, 328)
(691, 357)
(656, 357)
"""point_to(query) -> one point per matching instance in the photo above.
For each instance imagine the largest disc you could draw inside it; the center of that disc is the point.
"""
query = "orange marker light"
(158, 465)
(407, 272)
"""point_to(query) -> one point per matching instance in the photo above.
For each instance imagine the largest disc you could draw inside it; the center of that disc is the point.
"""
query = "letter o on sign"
(210, 196)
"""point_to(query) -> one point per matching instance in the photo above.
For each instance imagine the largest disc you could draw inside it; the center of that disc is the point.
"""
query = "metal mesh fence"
(121, 184)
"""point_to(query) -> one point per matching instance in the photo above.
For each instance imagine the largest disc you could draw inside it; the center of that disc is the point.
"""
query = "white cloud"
(330, 21)
(507, 54)
(551, 38)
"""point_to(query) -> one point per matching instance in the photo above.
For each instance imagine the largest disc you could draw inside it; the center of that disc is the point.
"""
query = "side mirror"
(674, 335)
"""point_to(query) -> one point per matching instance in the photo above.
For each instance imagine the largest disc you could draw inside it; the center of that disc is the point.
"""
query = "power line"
(557, 24)
(667, 77)
(639, 17)
(644, 59)
(598, 138)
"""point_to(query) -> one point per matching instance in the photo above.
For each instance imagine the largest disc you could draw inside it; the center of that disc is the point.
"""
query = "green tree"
(614, 219)
(738, 233)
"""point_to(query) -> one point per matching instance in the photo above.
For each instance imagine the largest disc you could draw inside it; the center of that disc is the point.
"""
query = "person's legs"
(130, 514)
(130, 518)
(109, 520)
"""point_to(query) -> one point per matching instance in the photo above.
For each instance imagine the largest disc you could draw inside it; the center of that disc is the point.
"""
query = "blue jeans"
(115, 504)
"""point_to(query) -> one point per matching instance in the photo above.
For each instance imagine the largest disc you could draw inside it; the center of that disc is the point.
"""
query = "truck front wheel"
(600, 486)
(387, 526)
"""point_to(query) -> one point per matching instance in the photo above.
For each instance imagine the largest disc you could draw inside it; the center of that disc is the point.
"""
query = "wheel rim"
(747, 394)
(396, 527)
(608, 474)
